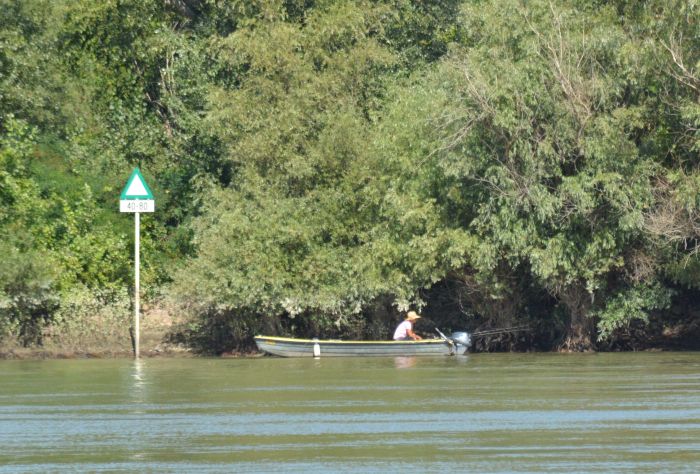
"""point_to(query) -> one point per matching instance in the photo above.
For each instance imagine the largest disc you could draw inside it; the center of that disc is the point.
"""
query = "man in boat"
(404, 331)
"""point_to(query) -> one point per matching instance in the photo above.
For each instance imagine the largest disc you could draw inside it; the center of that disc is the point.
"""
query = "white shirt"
(402, 330)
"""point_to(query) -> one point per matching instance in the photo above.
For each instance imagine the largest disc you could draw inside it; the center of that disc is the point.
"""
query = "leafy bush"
(28, 297)
(92, 319)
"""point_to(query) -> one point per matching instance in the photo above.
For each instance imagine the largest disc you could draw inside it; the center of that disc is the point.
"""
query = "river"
(621, 412)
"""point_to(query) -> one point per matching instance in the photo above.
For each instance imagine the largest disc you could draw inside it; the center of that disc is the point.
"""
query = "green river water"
(631, 412)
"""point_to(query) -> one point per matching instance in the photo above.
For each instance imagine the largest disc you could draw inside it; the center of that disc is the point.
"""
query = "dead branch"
(673, 222)
(681, 73)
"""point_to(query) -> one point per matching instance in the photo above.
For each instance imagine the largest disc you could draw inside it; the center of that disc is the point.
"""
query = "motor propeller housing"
(462, 340)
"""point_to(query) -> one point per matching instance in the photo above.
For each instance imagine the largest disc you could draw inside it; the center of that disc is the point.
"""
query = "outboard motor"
(462, 341)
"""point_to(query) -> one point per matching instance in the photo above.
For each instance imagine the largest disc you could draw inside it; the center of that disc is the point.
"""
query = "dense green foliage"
(321, 166)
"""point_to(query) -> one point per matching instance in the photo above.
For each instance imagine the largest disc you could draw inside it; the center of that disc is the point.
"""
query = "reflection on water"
(404, 362)
(485, 413)
(138, 384)
(137, 373)
(137, 376)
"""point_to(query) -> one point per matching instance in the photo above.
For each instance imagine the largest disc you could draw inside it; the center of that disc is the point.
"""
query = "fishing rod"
(486, 332)
(461, 341)
(491, 332)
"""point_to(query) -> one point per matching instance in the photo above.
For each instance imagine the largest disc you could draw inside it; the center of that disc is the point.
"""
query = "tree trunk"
(580, 336)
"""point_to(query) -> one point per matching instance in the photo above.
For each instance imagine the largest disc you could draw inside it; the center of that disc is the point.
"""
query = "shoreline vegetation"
(321, 167)
(162, 337)
(100, 337)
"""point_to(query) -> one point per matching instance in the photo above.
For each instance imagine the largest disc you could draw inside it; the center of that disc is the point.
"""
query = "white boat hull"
(290, 347)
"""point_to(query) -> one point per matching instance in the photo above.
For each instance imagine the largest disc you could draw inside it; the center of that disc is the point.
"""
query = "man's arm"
(413, 335)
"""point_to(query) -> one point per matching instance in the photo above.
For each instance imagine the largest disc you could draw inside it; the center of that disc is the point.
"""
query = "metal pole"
(137, 282)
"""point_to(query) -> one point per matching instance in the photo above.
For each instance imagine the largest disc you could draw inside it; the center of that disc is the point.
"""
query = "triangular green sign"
(136, 187)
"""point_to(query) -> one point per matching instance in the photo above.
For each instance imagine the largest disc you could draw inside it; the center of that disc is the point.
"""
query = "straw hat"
(412, 316)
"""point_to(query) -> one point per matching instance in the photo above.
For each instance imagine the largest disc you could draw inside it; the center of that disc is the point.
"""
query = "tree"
(542, 141)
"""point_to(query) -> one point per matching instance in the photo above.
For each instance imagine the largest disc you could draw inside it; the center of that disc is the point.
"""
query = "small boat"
(291, 347)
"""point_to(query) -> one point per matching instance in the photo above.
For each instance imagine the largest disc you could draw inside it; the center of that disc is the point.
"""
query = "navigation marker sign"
(136, 195)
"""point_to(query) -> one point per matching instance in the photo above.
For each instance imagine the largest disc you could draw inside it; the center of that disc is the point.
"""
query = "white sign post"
(136, 197)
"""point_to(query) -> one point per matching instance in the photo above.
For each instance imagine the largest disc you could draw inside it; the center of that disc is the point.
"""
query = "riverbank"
(38, 353)
(165, 350)
(100, 337)
(161, 336)
(161, 351)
